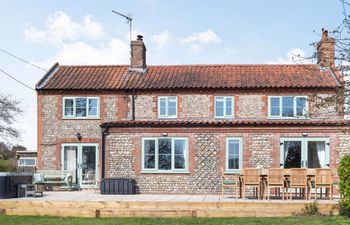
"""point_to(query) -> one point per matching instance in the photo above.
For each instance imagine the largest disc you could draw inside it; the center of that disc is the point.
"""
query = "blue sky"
(175, 32)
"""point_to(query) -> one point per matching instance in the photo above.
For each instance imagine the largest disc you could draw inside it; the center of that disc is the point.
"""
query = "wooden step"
(51, 212)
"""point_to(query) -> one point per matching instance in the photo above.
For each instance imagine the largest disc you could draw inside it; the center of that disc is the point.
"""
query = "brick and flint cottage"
(173, 127)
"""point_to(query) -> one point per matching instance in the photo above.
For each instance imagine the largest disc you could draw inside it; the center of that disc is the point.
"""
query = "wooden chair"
(229, 181)
(298, 179)
(275, 179)
(323, 179)
(251, 178)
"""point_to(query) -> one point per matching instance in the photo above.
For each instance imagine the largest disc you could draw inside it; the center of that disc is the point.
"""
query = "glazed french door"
(304, 152)
(81, 160)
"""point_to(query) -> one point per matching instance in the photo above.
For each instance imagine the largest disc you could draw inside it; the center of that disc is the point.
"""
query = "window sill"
(164, 172)
(167, 118)
(81, 118)
(232, 172)
(223, 118)
(287, 118)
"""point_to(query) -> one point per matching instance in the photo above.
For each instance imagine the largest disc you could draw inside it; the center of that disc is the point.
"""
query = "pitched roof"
(118, 77)
(222, 123)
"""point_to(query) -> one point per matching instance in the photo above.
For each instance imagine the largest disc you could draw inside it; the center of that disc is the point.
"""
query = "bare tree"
(9, 110)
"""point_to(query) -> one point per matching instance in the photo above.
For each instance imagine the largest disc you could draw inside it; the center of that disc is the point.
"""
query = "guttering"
(237, 123)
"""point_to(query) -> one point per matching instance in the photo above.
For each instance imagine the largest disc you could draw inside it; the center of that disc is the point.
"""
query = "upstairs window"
(224, 107)
(80, 107)
(288, 106)
(167, 107)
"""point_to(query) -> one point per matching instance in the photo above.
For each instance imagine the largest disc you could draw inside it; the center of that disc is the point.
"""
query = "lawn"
(19, 220)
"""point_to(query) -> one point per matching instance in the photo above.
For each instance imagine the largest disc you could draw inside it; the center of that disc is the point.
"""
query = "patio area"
(90, 204)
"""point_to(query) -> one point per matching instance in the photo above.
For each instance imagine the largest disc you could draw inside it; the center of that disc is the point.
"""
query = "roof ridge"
(186, 65)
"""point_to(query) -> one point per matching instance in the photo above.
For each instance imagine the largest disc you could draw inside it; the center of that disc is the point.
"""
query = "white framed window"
(27, 162)
(165, 155)
(288, 107)
(234, 155)
(167, 107)
(81, 107)
(224, 107)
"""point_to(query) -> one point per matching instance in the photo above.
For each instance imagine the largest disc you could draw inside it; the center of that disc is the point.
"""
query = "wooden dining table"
(286, 173)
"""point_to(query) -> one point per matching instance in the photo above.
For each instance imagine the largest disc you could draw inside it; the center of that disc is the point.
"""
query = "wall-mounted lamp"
(165, 134)
(305, 134)
(79, 136)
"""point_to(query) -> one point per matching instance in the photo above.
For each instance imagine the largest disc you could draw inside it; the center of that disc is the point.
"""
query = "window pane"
(275, 106)
(150, 161)
(171, 106)
(179, 154)
(316, 154)
(219, 106)
(80, 104)
(162, 106)
(30, 162)
(68, 107)
(164, 162)
(301, 106)
(228, 107)
(179, 162)
(233, 147)
(92, 107)
(164, 146)
(287, 107)
(149, 146)
(149, 151)
(179, 146)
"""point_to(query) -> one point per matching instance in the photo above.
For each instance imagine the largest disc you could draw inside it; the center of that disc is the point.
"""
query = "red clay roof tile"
(189, 76)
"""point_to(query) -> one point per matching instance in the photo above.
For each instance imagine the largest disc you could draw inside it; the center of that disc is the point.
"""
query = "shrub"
(344, 183)
(7, 166)
(311, 209)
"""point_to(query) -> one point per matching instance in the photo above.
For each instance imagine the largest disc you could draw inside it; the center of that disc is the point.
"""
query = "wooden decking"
(83, 204)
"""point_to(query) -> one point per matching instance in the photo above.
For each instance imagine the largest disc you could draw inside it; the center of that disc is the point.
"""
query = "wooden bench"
(55, 178)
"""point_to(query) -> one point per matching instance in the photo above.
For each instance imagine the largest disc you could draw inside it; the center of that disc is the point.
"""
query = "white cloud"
(114, 51)
(82, 42)
(205, 37)
(161, 39)
(293, 56)
(195, 40)
(60, 28)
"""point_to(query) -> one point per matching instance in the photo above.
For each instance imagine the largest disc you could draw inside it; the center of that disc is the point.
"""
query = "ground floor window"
(27, 162)
(164, 155)
(234, 154)
(304, 152)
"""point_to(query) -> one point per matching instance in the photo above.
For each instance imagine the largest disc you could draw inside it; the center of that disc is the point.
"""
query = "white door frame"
(79, 158)
(304, 149)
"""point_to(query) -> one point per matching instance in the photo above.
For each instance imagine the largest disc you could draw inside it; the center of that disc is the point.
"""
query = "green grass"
(309, 220)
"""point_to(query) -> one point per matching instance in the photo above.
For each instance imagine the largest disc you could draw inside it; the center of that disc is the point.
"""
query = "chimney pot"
(139, 37)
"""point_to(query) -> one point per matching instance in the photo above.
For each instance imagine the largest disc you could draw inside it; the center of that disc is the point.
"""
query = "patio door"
(304, 152)
(81, 160)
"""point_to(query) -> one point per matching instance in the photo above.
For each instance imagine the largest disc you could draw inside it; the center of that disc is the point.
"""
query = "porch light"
(165, 134)
(305, 134)
(79, 136)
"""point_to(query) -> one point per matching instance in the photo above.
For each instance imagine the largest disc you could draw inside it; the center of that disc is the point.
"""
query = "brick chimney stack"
(325, 50)
(138, 55)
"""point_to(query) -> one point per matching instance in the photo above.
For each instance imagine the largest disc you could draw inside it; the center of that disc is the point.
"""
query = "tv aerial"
(128, 21)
